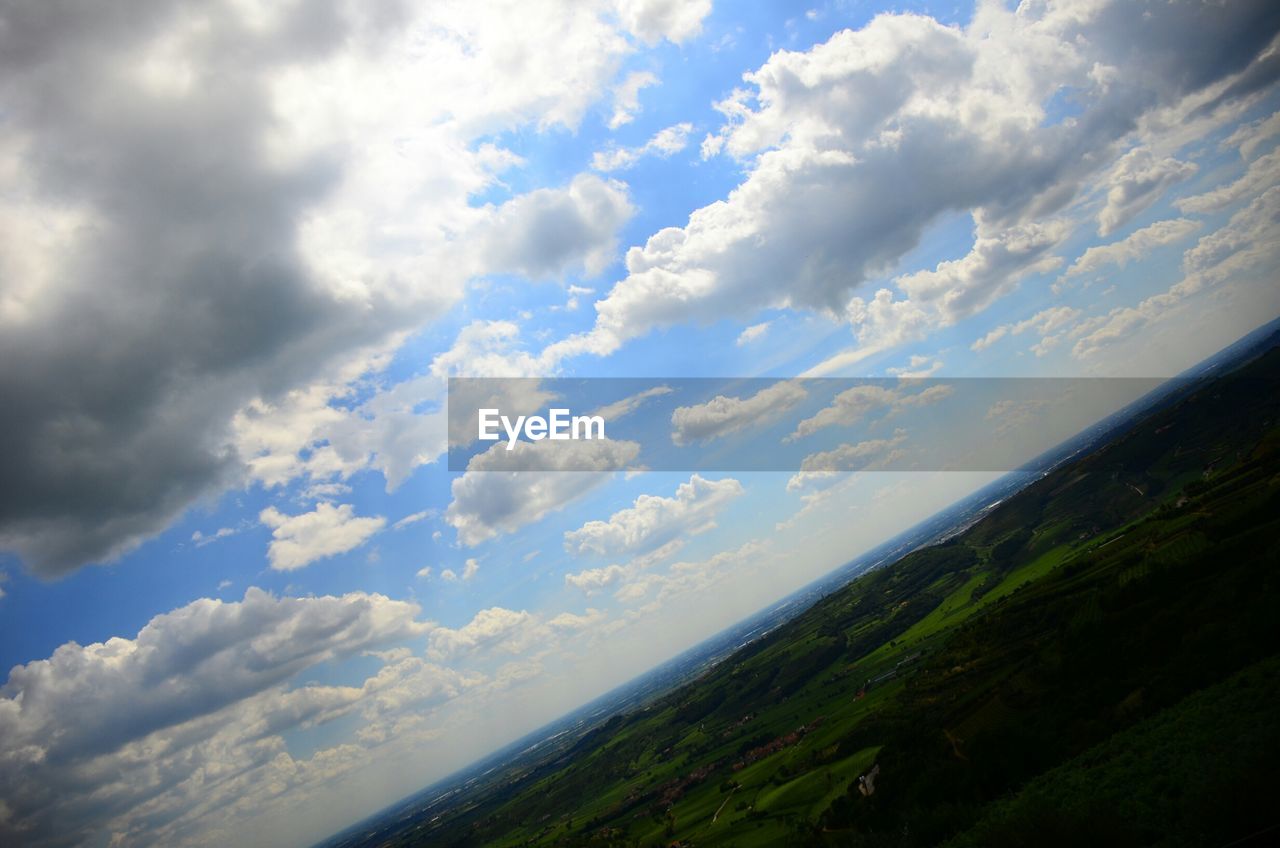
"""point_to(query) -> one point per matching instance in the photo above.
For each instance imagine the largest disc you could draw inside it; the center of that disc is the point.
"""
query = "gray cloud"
(181, 234)
(854, 147)
(81, 750)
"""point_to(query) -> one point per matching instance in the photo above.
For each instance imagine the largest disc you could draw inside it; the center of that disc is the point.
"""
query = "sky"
(244, 245)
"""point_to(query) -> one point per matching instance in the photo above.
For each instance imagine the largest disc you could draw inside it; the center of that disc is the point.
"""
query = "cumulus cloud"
(652, 521)
(850, 148)
(1138, 180)
(503, 490)
(328, 530)
(653, 20)
(852, 405)
(221, 245)
(1133, 247)
(1248, 244)
(491, 628)
(593, 580)
(958, 288)
(665, 143)
(84, 754)
(723, 415)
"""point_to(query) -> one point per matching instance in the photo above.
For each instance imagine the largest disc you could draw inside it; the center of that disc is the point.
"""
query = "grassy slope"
(1110, 590)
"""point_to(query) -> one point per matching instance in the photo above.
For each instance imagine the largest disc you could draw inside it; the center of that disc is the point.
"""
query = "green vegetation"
(1094, 662)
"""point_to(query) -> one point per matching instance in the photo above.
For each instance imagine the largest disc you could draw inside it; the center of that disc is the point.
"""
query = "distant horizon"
(1268, 328)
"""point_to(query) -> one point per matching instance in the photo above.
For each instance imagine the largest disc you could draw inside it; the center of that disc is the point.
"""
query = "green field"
(1099, 643)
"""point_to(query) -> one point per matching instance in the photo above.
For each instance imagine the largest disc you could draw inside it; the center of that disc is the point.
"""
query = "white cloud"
(424, 573)
(664, 144)
(201, 539)
(1046, 322)
(849, 150)
(594, 580)
(86, 755)
(1138, 180)
(328, 530)
(959, 288)
(854, 404)
(652, 521)
(413, 518)
(917, 368)
(626, 97)
(847, 457)
(493, 628)
(502, 491)
(753, 333)
(1261, 174)
(1249, 137)
(724, 415)
(653, 20)
(1247, 246)
(1137, 245)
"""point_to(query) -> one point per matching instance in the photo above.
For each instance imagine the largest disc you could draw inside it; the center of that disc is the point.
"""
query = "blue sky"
(242, 248)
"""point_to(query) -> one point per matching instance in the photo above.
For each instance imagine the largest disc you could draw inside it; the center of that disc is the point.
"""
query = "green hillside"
(1100, 643)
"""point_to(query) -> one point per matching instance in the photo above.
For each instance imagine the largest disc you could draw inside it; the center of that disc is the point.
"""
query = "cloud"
(665, 143)
(653, 20)
(470, 568)
(1138, 180)
(228, 226)
(1046, 322)
(918, 368)
(688, 576)
(1248, 244)
(626, 97)
(849, 151)
(852, 405)
(413, 518)
(547, 232)
(652, 521)
(85, 754)
(1261, 174)
(847, 457)
(1137, 245)
(961, 287)
(723, 415)
(200, 539)
(502, 491)
(626, 406)
(594, 580)
(424, 573)
(328, 530)
(753, 333)
(1249, 137)
(491, 628)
